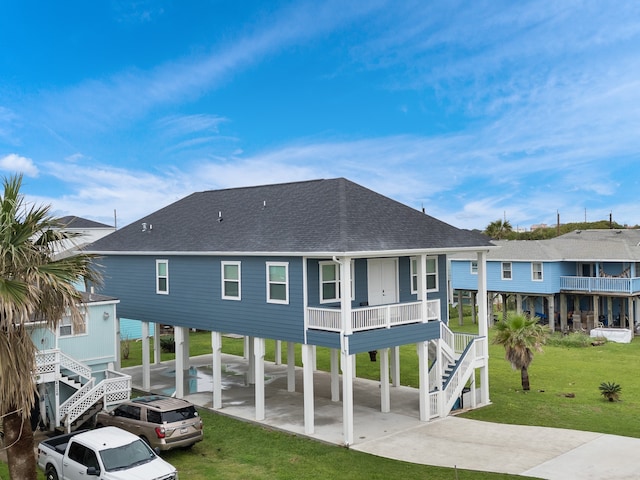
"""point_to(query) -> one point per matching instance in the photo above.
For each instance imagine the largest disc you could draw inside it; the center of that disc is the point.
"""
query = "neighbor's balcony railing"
(601, 284)
(369, 318)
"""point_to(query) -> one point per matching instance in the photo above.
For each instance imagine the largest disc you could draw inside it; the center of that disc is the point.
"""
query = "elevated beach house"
(583, 280)
(323, 263)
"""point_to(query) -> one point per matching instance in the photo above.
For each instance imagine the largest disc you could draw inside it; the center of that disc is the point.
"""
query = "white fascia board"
(353, 254)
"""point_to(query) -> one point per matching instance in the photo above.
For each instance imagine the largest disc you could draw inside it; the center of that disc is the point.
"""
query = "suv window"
(128, 411)
(179, 414)
(154, 416)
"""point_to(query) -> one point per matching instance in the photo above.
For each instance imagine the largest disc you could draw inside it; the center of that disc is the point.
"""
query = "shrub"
(167, 345)
(610, 391)
(125, 347)
(574, 340)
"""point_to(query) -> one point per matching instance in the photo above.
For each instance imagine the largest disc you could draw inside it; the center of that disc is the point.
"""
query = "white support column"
(178, 334)
(314, 351)
(385, 394)
(216, 368)
(291, 367)
(518, 304)
(157, 350)
(278, 353)
(474, 308)
(247, 346)
(185, 351)
(347, 394)
(563, 313)
(146, 369)
(307, 378)
(258, 352)
(118, 363)
(423, 379)
(460, 309)
(335, 375)
(250, 354)
(483, 325)
(395, 366)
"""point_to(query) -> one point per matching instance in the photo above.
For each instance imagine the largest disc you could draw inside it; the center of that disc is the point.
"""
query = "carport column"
(483, 326)
(395, 366)
(291, 367)
(178, 334)
(157, 350)
(216, 368)
(278, 359)
(460, 312)
(423, 379)
(250, 354)
(335, 375)
(385, 395)
(347, 393)
(146, 370)
(518, 304)
(474, 311)
(307, 380)
(258, 352)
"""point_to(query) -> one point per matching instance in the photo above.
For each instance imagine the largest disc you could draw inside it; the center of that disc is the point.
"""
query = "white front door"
(382, 278)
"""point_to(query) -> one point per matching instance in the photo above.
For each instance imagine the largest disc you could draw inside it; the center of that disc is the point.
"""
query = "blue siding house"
(583, 280)
(323, 263)
(76, 366)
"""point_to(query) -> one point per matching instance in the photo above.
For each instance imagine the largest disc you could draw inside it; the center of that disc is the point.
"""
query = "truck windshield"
(126, 456)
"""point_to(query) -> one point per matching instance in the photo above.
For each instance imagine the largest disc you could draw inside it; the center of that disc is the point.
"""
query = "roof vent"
(219, 216)
(144, 226)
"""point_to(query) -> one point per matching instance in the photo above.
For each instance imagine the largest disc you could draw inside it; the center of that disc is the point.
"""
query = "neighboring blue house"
(324, 263)
(76, 374)
(582, 280)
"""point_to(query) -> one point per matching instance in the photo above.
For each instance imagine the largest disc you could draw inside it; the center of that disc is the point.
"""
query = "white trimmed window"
(329, 282)
(162, 276)
(431, 274)
(66, 328)
(231, 280)
(536, 271)
(277, 282)
(474, 267)
(506, 271)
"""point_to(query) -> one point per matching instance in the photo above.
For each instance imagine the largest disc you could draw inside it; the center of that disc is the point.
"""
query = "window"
(474, 267)
(431, 274)
(231, 280)
(506, 270)
(66, 328)
(162, 276)
(329, 282)
(536, 271)
(277, 282)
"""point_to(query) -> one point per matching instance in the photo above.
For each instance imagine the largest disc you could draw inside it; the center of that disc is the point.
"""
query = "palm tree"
(498, 229)
(34, 287)
(520, 336)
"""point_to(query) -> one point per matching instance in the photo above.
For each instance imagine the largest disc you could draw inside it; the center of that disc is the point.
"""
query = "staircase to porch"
(88, 398)
(456, 355)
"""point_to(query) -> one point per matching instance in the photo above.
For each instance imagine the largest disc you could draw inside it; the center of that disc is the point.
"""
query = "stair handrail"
(111, 390)
(458, 378)
(73, 365)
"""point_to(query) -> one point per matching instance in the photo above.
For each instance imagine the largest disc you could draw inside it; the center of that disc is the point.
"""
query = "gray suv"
(163, 422)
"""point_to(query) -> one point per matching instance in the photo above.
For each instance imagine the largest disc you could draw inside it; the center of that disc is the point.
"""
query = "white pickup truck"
(108, 453)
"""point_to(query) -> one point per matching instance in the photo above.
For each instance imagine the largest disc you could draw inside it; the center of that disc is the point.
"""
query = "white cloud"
(18, 164)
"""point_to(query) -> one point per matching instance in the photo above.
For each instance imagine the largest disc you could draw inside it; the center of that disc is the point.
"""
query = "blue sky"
(473, 110)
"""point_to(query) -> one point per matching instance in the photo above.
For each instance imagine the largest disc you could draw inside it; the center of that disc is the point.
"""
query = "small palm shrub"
(167, 345)
(610, 391)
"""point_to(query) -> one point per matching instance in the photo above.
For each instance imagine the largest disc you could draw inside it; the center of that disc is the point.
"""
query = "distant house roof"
(334, 215)
(616, 245)
(88, 298)
(71, 221)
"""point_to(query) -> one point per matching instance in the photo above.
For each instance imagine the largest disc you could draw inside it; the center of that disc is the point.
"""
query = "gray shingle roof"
(621, 245)
(333, 215)
(71, 221)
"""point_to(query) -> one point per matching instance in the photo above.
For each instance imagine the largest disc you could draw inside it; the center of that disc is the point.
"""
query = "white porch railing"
(601, 284)
(113, 390)
(49, 363)
(369, 318)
